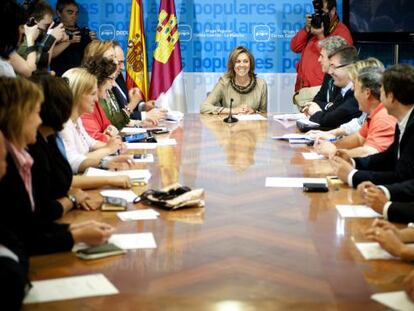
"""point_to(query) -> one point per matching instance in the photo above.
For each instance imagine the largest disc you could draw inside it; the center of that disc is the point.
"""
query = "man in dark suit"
(120, 88)
(328, 90)
(396, 164)
(343, 106)
(126, 99)
(395, 202)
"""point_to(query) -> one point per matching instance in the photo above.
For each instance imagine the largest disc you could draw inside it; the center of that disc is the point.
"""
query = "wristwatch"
(72, 198)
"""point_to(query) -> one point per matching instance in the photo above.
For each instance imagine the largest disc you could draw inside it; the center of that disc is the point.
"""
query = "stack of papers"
(164, 142)
(128, 195)
(359, 211)
(289, 116)
(133, 240)
(139, 175)
(295, 138)
(70, 288)
(250, 117)
(292, 182)
(142, 214)
(394, 300)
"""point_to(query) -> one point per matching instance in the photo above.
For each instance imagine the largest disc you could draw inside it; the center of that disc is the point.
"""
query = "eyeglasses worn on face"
(332, 66)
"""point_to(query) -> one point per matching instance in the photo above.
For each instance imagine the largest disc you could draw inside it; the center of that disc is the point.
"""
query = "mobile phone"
(100, 251)
(105, 207)
(140, 156)
(134, 137)
(315, 187)
(160, 131)
(114, 204)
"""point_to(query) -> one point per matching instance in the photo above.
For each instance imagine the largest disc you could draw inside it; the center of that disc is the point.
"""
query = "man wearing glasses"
(343, 107)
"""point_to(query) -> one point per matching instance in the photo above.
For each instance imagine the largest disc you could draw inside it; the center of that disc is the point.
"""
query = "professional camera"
(83, 32)
(320, 17)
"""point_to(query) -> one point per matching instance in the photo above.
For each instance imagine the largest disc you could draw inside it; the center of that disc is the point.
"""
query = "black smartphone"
(159, 131)
(100, 251)
(315, 187)
(134, 138)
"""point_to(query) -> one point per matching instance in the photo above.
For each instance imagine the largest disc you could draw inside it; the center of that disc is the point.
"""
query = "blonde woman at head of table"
(240, 86)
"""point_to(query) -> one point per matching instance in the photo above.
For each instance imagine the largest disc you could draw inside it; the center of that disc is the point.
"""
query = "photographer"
(323, 23)
(41, 15)
(69, 54)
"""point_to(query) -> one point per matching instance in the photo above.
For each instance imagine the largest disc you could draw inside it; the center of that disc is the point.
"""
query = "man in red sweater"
(306, 42)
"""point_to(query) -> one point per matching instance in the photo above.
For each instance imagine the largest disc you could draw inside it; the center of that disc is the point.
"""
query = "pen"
(136, 200)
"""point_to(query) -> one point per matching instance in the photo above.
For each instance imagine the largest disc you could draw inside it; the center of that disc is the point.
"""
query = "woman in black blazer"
(19, 119)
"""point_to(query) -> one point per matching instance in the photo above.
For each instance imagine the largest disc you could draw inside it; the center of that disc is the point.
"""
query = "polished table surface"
(250, 248)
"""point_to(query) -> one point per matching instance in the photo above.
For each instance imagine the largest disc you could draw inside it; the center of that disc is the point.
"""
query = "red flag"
(137, 72)
(167, 84)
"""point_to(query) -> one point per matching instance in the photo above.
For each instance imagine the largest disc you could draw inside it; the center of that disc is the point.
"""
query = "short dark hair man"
(344, 107)
(69, 54)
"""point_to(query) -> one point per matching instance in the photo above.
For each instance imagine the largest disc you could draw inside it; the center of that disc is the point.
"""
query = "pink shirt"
(24, 163)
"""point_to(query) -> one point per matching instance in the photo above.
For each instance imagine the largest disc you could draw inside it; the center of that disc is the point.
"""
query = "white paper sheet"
(308, 122)
(359, 211)
(141, 145)
(174, 116)
(70, 288)
(128, 195)
(372, 251)
(133, 240)
(394, 300)
(289, 116)
(286, 123)
(313, 156)
(292, 182)
(167, 142)
(142, 214)
(250, 117)
(143, 175)
(133, 130)
(148, 158)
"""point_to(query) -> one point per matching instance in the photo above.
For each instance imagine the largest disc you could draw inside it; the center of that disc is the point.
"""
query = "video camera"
(320, 17)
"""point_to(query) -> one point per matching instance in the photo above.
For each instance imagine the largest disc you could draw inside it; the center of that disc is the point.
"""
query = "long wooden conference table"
(250, 248)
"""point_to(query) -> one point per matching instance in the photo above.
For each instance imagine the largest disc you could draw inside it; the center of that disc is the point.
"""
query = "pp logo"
(261, 33)
(107, 32)
(186, 32)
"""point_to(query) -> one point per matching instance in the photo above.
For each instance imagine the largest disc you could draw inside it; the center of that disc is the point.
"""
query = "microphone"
(230, 118)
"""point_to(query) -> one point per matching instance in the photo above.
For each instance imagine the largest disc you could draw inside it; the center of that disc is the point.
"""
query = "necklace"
(244, 89)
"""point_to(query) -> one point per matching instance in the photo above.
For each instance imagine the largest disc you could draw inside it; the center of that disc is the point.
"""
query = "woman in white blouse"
(82, 150)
